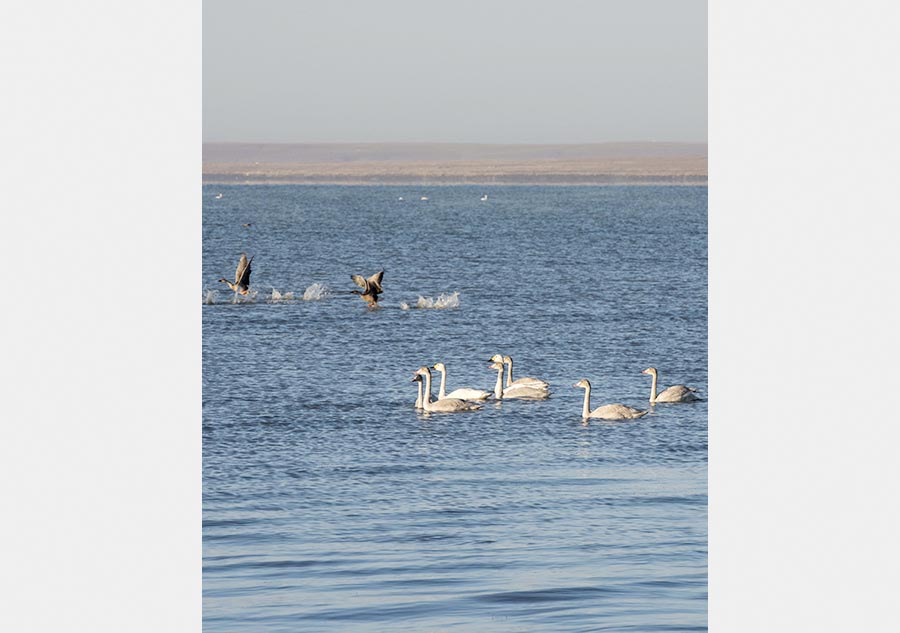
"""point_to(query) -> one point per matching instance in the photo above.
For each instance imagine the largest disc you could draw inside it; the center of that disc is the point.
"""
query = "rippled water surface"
(329, 503)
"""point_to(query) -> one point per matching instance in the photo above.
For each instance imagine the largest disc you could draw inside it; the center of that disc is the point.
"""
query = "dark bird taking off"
(371, 287)
(241, 276)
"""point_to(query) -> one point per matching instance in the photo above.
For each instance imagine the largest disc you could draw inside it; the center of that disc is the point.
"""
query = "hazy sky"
(492, 71)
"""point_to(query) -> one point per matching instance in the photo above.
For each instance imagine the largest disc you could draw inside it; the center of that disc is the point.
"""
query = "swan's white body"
(529, 381)
(463, 393)
(447, 405)
(675, 393)
(608, 411)
(520, 392)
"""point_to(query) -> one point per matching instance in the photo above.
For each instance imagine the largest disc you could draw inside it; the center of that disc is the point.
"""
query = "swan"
(527, 393)
(218, 196)
(417, 378)
(675, 393)
(241, 276)
(607, 411)
(371, 287)
(530, 381)
(484, 197)
(447, 404)
(463, 393)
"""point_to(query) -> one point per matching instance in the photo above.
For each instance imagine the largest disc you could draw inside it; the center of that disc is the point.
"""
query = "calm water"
(330, 504)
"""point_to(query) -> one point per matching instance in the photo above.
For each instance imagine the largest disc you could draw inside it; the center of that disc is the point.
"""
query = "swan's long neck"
(498, 387)
(419, 399)
(427, 390)
(652, 387)
(442, 393)
(509, 373)
(586, 409)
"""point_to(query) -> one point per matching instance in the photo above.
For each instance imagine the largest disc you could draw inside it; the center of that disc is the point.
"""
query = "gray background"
(500, 71)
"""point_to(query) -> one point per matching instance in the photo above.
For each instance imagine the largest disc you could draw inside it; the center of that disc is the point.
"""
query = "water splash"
(250, 297)
(277, 296)
(210, 297)
(440, 302)
(315, 292)
(404, 306)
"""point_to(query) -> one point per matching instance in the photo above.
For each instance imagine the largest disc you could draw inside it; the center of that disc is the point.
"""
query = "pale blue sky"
(491, 71)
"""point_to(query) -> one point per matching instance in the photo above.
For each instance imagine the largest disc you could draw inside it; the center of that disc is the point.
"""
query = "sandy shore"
(423, 164)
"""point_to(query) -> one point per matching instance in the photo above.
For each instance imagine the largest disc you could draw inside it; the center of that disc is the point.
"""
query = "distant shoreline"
(548, 181)
(455, 164)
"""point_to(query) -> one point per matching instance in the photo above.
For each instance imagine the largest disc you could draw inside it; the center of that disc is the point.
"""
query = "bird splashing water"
(440, 302)
(277, 296)
(315, 292)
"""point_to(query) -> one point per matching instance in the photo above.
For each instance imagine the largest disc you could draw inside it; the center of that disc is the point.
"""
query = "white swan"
(675, 393)
(525, 393)
(530, 381)
(447, 404)
(463, 393)
(607, 411)
(484, 197)
(417, 378)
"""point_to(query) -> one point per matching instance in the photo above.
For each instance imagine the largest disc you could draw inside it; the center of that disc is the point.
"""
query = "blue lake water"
(329, 503)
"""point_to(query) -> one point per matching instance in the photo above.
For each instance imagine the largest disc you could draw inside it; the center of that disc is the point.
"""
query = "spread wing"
(375, 280)
(360, 281)
(242, 274)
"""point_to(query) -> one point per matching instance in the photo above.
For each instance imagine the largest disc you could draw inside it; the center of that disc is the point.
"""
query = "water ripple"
(330, 504)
